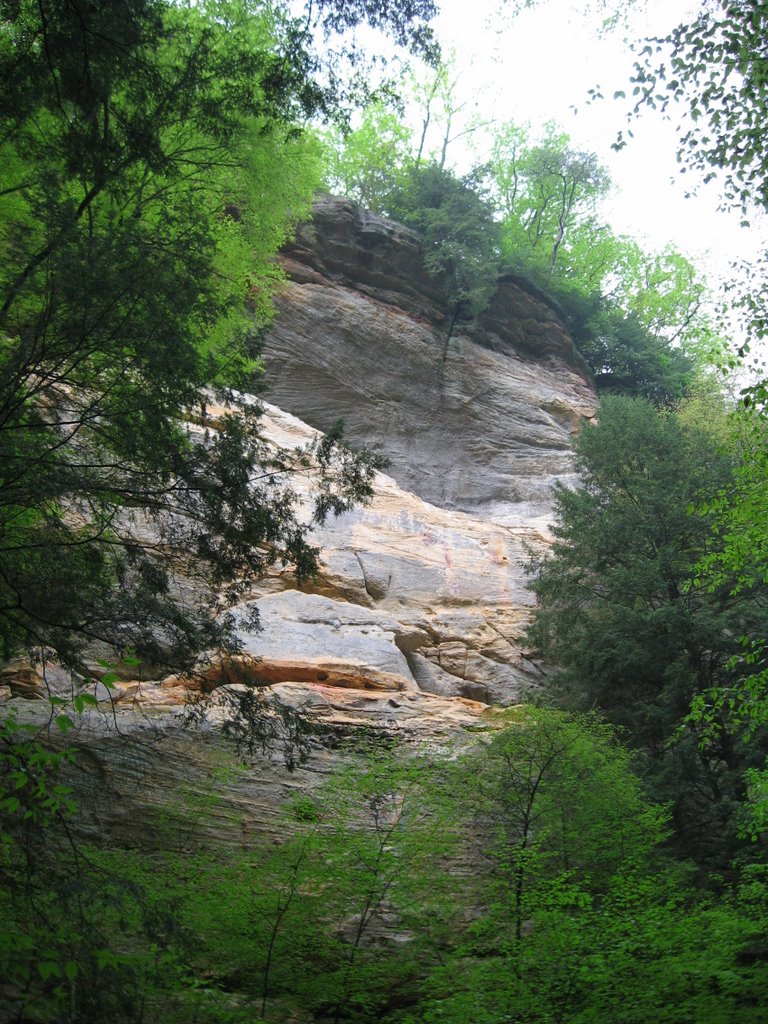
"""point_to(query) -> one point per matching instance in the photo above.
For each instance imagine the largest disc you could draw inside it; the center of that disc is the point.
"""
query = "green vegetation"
(398, 891)
(153, 158)
(627, 621)
(459, 236)
(602, 861)
(710, 72)
(530, 206)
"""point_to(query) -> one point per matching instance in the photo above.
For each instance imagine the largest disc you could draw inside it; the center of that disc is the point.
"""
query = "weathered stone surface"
(342, 643)
(414, 625)
(402, 583)
(143, 777)
(376, 257)
(36, 680)
(481, 422)
(442, 580)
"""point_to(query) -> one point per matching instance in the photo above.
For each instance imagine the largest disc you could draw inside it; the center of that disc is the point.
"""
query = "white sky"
(540, 65)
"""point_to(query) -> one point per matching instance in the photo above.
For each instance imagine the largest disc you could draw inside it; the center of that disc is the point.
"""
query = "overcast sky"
(540, 66)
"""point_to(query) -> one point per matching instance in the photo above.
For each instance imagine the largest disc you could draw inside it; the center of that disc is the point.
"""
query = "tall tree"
(621, 616)
(371, 162)
(459, 232)
(713, 69)
(152, 163)
(545, 191)
(520, 786)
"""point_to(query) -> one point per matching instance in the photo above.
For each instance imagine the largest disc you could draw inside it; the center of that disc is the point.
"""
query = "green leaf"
(48, 969)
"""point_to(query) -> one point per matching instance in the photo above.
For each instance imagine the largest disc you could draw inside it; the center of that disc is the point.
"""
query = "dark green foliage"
(62, 954)
(624, 355)
(644, 951)
(518, 880)
(460, 235)
(406, 21)
(152, 163)
(578, 918)
(621, 615)
(714, 66)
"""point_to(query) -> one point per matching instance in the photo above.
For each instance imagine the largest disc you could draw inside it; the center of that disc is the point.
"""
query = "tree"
(714, 66)
(740, 562)
(153, 160)
(63, 918)
(406, 21)
(459, 236)
(386, 828)
(621, 616)
(713, 69)
(545, 191)
(442, 114)
(520, 786)
(338, 913)
(638, 318)
(558, 825)
(371, 162)
(642, 952)
(624, 356)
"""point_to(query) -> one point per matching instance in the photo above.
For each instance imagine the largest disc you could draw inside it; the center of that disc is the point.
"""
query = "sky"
(539, 66)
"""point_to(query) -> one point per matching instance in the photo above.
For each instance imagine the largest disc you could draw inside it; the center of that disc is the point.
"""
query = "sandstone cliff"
(415, 623)
(480, 422)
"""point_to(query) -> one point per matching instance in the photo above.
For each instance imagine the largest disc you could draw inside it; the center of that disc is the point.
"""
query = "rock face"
(414, 625)
(411, 597)
(480, 422)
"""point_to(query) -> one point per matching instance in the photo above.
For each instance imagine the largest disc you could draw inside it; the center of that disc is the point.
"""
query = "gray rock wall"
(415, 623)
(480, 422)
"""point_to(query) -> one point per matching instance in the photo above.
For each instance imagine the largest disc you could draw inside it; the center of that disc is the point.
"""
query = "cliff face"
(414, 625)
(479, 422)
(413, 596)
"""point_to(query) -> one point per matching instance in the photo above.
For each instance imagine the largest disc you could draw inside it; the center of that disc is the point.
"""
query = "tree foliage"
(640, 319)
(621, 615)
(153, 160)
(711, 69)
(532, 833)
(601, 929)
(373, 160)
(739, 562)
(624, 356)
(521, 878)
(546, 190)
(714, 67)
(459, 235)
